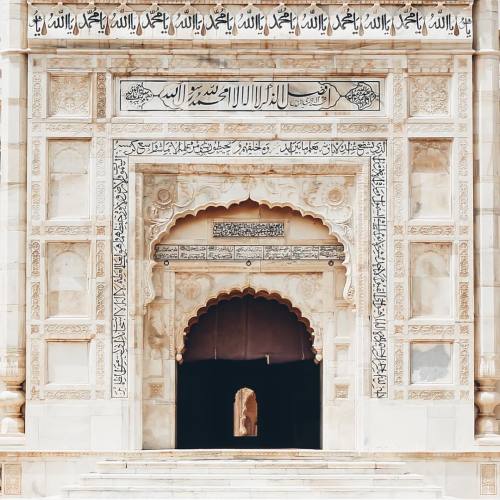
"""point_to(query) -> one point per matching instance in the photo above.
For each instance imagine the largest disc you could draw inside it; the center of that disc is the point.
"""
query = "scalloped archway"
(250, 292)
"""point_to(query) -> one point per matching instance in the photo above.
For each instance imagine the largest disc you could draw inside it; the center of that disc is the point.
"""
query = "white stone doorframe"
(128, 177)
(165, 411)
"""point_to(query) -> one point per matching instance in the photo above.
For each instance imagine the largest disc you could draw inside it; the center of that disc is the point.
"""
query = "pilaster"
(13, 218)
(487, 216)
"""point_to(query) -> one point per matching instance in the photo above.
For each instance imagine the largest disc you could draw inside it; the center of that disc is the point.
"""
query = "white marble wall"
(426, 117)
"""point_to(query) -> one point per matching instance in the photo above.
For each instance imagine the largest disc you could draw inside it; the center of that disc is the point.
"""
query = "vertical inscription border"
(124, 149)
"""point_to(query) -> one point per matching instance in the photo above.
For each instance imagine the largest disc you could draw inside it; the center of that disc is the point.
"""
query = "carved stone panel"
(69, 95)
(429, 95)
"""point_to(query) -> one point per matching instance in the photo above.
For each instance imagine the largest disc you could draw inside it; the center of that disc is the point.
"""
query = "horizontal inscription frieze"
(263, 95)
(229, 229)
(164, 253)
(326, 22)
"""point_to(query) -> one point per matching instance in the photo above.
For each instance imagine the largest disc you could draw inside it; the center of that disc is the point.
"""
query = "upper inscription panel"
(232, 22)
(270, 95)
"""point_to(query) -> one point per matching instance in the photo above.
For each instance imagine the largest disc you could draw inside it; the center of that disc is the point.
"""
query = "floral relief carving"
(488, 478)
(35, 201)
(305, 128)
(203, 128)
(362, 128)
(398, 363)
(399, 259)
(195, 290)
(429, 95)
(463, 259)
(431, 394)
(327, 197)
(463, 101)
(100, 259)
(398, 92)
(100, 358)
(399, 309)
(464, 363)
(35, 369)
(101, 95)
(68, 394)
(68, 230)
(35, 300)
(100, 195)
(253, 128)
(463, 201)
(36, 95)
(69, 95)
(463, 157)
(341, 391)
(433, 330)
(35, 258)
(431, 230)
(11, 474)
(136, 128)
(57, 331)
(463, 300)
(100, 291)
(35, 157)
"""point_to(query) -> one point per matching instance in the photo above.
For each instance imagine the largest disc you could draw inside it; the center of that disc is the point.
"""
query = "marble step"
(249, 491)
(249, 466)
(257, 480)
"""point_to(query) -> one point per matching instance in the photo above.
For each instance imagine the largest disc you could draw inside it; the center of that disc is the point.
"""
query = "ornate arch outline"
(313, 328)
(341, 231)
(374, 150)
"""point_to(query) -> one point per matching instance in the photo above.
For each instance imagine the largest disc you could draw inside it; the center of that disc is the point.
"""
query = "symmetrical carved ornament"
(341, 391)
(431, 394)
(488, 479)
(11, 476)
(195, 290)
(101, 95)
(69, 95)
(171, 200)
(429, 95)
(169, 96)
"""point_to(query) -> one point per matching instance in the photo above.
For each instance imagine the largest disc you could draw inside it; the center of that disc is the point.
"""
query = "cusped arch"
(312, 326)
(159, 228)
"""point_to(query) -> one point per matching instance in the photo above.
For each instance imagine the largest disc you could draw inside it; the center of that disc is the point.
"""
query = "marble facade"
(343, 158)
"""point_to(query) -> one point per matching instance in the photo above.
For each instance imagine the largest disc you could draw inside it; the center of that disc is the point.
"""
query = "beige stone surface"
(60, 193)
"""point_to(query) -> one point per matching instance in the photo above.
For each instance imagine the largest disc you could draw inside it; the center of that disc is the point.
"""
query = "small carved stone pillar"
(487, 397)
(13, 217)
(486, 218)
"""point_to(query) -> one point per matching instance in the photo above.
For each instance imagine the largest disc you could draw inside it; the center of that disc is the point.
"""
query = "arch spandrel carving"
(203, 290)
(168, 198)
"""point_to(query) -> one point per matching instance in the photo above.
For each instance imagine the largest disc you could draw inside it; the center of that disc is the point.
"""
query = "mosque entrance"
(248, 379)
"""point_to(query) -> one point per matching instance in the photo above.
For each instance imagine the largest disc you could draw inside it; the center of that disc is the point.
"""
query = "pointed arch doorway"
(248, 378)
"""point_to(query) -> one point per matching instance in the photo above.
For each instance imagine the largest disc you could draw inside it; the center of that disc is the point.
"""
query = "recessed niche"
(431, 362)
(68, 191)
(68, 362)
(430, 194)
(431, 289)
(67, 278)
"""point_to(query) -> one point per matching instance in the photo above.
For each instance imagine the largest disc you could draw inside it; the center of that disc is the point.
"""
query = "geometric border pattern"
(124, 149)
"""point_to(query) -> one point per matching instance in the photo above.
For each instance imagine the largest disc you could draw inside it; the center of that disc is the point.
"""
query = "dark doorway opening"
(255, 343)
